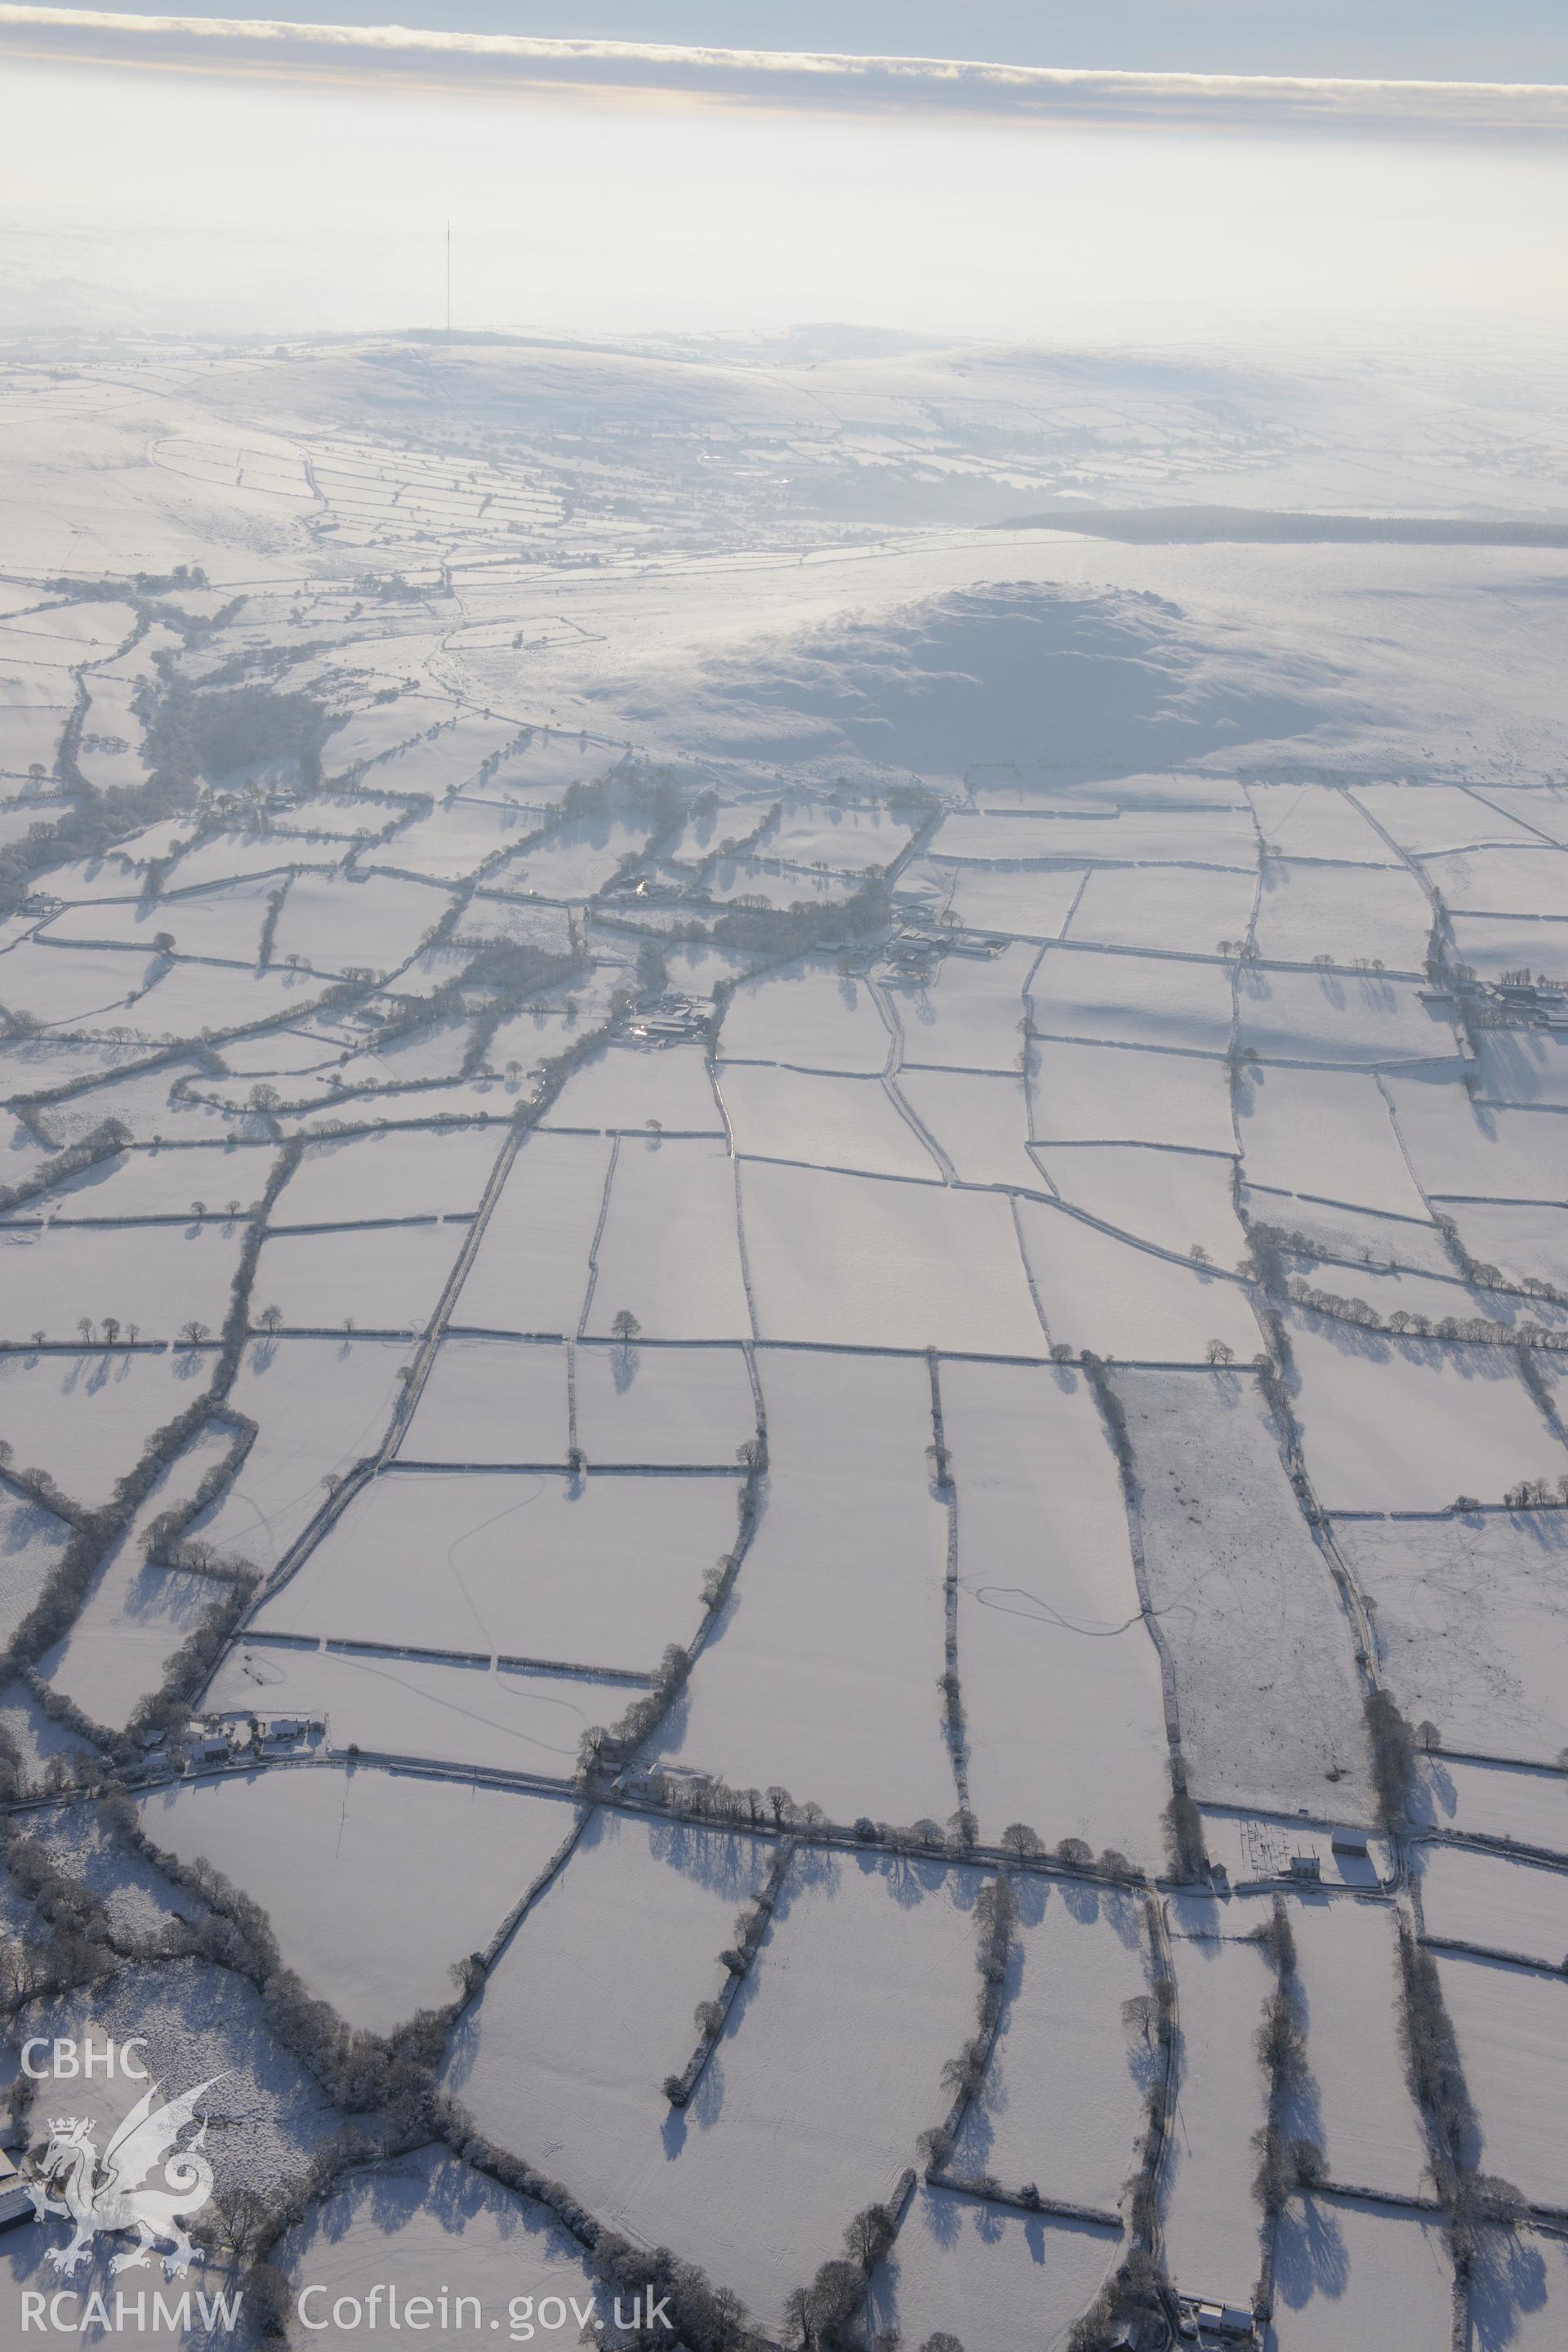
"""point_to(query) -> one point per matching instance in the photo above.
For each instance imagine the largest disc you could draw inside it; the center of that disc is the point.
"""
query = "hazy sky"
(282, 185)
(259, 204)
(1503, 40)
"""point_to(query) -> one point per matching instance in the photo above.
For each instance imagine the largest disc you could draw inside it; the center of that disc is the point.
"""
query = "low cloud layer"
(795, 81)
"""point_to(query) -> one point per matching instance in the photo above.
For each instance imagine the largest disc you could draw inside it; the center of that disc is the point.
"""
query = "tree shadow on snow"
(1309, 2254)
(1508, 2279)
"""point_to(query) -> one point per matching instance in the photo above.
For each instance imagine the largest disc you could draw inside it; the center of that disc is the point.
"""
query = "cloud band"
(802, 81)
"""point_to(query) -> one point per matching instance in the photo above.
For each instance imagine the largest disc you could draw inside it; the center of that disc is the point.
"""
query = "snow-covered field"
(1354, 1020)
(746, 983)
(374, 1953)
(669, 1254)
(1212, 2224)
(845, 1261)
(1472, 1626)
(1393, 1424)
(496, 1718)
(589, 1571)
(1176, 909)
(1066, 1729)
(1133, 1000)
(161, 1278)
(31, 1538)
(358, 1277)
(824, 1122)
(665, 1408)
(137, 1613)
(1265, 1689)
(442, 2230)
(531, 1270)
(809, 1017)
(1351, 2272)
(827, 2068)
(959, 2260)
(1354, 2101)
(846, 1573)
(1181, 1201)
(1510, 2023)
(1494, 1902)
(1101, 1292)
(492, 1401)
(84, 1415)
(1307, 911)
(201, 2024)
(363, 1180)
(978, 1124)
(1498, 1801)
(624, 1090)
(1103, 1094)
(1061, 2103)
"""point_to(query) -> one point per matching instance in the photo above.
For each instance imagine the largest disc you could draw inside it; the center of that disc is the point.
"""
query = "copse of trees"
(12, 1773)
(706, 1797)
(1432, 2062)
(824, 2317)
(1138, 2293)
(109, 1138)
(1184, 1825)
(795, 929)
(1474, 1330)
(996, 1923)
(1476, 2203)
(203, 732)
(67, 1583)
(39, 1487)
(187, 1672)
(652, 969)
(187, 732)
(603, 1750)
(736, 1960)
(392, 2074)
(1114, 1413)
(1286, 2162)
(77, 1950)
(1392, 1747)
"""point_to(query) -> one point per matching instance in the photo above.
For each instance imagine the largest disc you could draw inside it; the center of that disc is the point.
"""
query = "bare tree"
(869, 2235)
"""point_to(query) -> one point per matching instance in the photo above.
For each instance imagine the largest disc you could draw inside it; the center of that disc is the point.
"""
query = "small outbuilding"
(16, 2204)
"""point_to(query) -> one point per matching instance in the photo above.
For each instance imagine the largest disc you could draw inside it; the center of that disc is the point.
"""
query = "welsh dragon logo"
(118, 2194)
